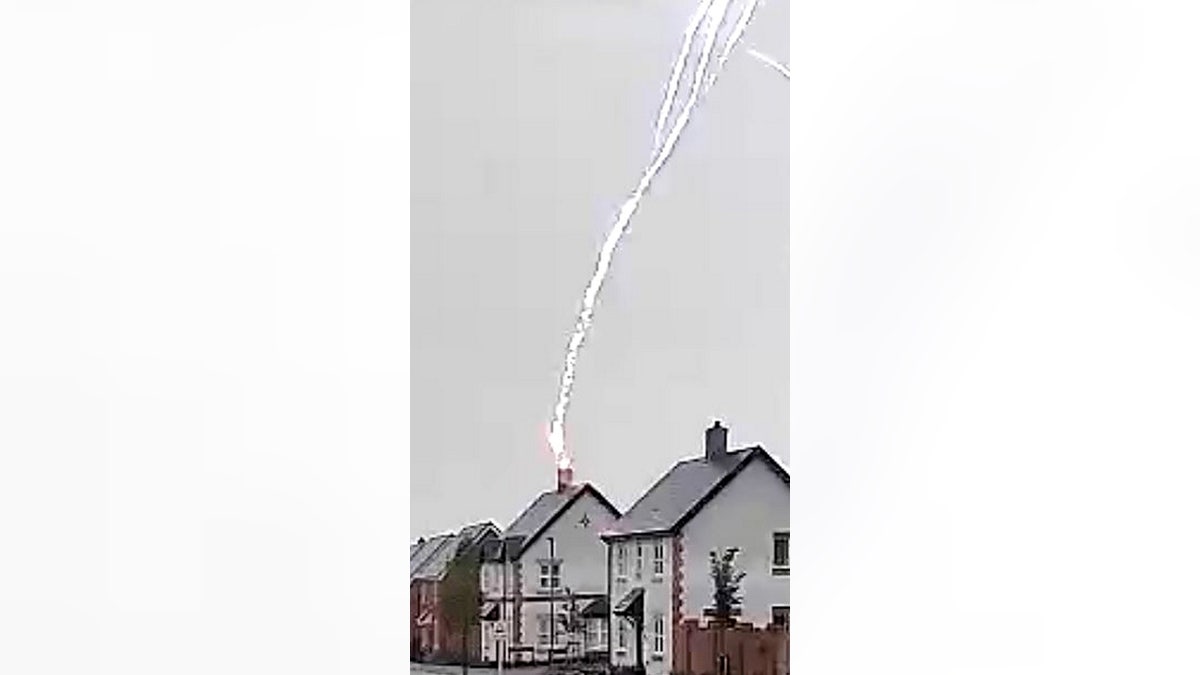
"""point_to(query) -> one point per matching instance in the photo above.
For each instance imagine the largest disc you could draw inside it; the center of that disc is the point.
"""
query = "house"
(659, 571)
(549, 559)
(429, 561)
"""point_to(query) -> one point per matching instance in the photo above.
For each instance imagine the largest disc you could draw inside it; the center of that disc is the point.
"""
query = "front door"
(639, 624)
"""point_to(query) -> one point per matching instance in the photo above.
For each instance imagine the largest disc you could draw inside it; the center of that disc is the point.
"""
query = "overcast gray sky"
(531, 122)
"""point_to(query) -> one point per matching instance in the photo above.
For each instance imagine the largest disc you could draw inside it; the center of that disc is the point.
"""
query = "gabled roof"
(543, 512)
(684, 490)
(433, 558)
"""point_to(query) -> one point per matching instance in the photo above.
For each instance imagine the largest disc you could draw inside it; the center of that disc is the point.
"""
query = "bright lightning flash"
(712, 13)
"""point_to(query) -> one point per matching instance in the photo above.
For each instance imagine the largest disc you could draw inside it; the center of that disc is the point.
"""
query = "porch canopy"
(631, 604)
(596, 609)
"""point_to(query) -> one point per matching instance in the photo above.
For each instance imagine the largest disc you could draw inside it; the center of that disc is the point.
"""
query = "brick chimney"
(566, 478)
(716, 442)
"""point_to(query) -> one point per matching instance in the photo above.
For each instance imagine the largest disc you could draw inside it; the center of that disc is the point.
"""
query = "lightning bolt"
(782, 69)
(738, 30)
(713, 13)
(685, 50)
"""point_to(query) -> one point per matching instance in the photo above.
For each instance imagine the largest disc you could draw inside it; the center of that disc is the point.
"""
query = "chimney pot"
(716, 442)
(565, 478)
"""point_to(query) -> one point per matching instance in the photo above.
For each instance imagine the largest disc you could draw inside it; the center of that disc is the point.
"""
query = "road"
(430, 669)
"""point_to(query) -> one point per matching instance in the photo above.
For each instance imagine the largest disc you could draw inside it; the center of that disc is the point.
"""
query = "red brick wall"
(751, 651)
(676, 581)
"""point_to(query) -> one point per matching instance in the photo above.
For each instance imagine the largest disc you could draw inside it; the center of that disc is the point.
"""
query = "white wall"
(583, 558)
(744, 514)
(657, 599)
(580, 549)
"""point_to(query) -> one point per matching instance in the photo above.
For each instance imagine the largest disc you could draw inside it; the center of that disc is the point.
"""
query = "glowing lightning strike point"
(556, 436)
(782, 69)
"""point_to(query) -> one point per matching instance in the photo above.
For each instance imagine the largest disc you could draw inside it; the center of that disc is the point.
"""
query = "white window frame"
(549, 576)
(787, 610)
(658, 638)
(592, 634)
(639, 562)
(658, 564)
(543, 626)
(622, 561)
(622, 636)
(785, 568)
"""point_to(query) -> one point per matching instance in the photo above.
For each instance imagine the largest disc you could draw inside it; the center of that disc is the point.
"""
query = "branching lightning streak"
(782, 69)
(715, 11)
(685, 50)
(738, 29)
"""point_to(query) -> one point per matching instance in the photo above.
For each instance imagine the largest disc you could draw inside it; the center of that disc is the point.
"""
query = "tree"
(460, 598)
(727, 599)
(572, 621)
(727, 582)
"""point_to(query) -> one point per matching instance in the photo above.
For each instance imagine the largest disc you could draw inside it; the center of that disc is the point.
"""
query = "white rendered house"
(553, 548)
(659, 569)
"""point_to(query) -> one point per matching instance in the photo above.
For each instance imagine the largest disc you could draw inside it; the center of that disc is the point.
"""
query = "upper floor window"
(549, 576)
(658, 558)
(622, 563)
(779, 558)
(637, 565)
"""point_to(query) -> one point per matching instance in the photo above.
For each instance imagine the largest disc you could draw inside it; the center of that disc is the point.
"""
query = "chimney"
(565, 478)
(716, 442)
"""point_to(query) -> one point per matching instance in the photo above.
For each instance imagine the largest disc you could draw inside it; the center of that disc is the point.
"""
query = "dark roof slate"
(541, 514)
(683, 490)
(434, 557)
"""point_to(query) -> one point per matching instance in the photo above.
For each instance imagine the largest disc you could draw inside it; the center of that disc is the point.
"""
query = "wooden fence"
(696, 650)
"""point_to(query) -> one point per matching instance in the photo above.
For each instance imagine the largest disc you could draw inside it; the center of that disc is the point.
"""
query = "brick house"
(429, 560)
(658, 552)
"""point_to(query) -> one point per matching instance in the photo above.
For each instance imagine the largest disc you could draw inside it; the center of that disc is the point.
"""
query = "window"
(543, 629)
(593, 634)
(658, 633)
(487, 579)
(780, 560)
(621, 637)
(658, 558)
(549, 577)
(622, 563)
(637, 566)
(779, 616)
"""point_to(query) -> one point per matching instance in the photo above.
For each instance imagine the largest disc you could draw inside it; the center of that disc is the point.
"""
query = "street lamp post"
(500, 644)
(550, 656)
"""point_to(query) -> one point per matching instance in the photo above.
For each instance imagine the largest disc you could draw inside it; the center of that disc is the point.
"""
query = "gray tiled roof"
(676, 493)
(420, 561)
(542, 509)
(431, 559)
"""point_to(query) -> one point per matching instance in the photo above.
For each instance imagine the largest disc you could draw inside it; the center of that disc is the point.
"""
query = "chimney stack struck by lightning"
(566, 478)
